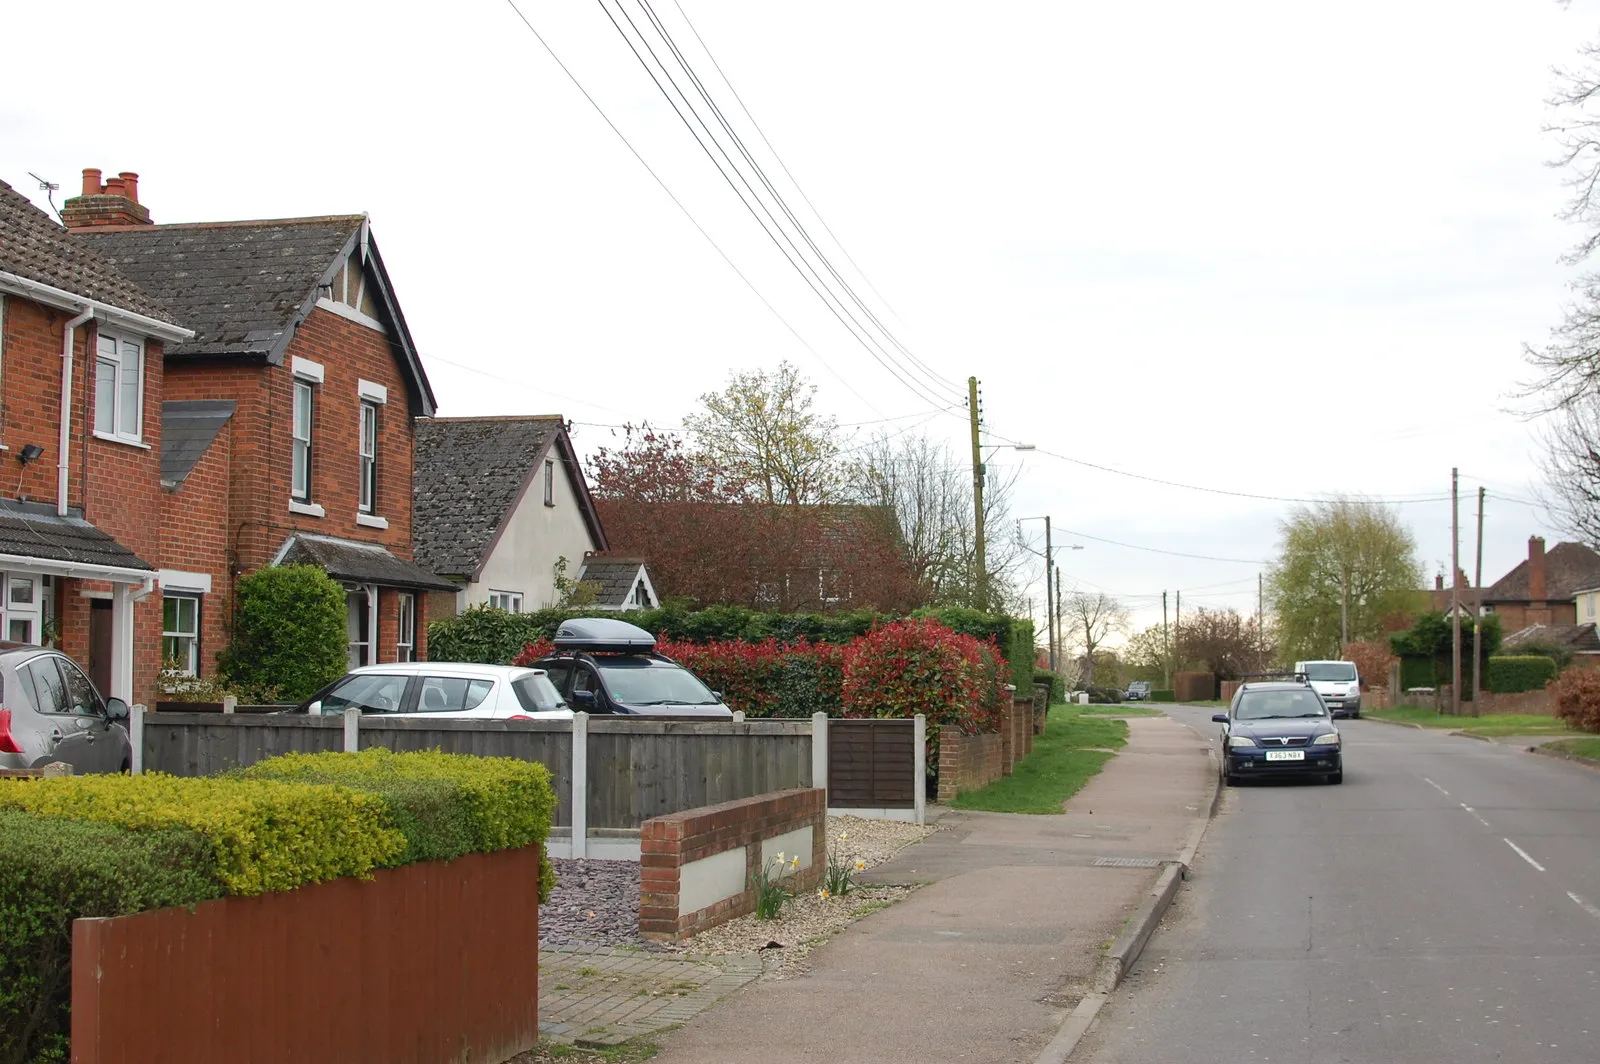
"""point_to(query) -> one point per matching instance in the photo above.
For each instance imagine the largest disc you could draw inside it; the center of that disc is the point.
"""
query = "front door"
(100, 643)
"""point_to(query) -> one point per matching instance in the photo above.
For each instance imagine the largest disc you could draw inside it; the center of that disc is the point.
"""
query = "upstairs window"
(369, 457)
(300, 490)
(549, 483)
(119, 388)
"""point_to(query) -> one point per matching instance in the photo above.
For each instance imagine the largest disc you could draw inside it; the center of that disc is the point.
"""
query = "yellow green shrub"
(264, 836)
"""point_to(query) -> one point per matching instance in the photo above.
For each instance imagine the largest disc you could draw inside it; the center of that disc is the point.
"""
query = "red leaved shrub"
(1372, 661)
(920, 666)
(1577, 698)
(532, 652)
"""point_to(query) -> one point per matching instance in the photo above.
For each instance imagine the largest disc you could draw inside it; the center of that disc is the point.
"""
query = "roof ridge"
(320, 219)
(495, 417)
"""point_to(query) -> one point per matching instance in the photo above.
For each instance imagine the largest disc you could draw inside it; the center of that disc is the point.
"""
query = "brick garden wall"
(669, 843)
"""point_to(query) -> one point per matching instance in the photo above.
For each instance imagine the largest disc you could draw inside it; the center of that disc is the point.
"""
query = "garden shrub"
(1058, 686)
(920, 666)
(1512, 673)
(1163, 696)
(51, 873)
(1104, 696)
(444, 805)
(1577, 698)
(262, 836)
(288, 631)
(1560, 653)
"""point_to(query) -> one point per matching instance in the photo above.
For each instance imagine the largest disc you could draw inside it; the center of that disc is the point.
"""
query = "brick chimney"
(114, 203)
(1438, 582)
(1536, 580)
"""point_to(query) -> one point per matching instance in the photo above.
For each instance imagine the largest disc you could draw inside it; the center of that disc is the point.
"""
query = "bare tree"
(1571, 468)
(1091, 617)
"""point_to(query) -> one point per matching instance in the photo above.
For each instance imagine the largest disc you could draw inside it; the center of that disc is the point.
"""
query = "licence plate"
(1286, 755)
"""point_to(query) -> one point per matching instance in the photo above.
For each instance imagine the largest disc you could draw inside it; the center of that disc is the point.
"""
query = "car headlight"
(1331, 739)
(1240, 740)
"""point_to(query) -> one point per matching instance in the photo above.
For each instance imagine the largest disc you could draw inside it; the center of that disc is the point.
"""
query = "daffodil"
(779, 858)
(822, 893)
(796, 862)
(861, 866)
(843, 835)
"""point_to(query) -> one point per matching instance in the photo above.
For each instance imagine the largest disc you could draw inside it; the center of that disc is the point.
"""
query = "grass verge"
(1586, 747)
(1119, 711)
(1072, 750)
(1490, 726)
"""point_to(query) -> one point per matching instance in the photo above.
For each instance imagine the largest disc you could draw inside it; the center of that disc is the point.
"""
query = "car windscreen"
(1331, 670)
(1267, 705)
(537, 694)
(368, 692)
(654, 685)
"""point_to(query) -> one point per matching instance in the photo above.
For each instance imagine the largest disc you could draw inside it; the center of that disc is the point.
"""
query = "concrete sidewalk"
(986, 961)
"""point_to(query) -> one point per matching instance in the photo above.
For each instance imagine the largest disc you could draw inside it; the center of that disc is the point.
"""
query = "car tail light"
(8, 745)
(519, 716)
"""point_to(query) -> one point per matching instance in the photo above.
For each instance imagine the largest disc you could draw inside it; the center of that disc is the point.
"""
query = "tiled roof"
(237, 284)
(33, 246)
(361, 563)
(468, 475)
(1576, 636)
(1569, 568)
(187, 429)
(34, 530)
(615, 579)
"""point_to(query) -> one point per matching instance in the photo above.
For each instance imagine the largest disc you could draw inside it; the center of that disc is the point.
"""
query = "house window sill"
(371, 521)
(309, 509)
(122, 440)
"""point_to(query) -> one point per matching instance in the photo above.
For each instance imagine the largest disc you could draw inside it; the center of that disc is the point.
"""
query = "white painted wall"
(524, 559)
(1587, 607)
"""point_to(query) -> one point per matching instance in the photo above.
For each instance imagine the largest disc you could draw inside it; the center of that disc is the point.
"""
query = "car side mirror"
(583, 699)
(116, 709)
(1219, 718)
(315, 707)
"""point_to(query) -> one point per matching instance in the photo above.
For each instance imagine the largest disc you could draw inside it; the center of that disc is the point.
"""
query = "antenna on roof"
(48, 187)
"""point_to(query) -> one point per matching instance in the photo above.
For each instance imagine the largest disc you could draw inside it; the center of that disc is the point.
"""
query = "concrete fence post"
(136, 738)
(919, 767)
(738, 716)
(819, 750)
(352, 729)
(229, 703)
(580, 784)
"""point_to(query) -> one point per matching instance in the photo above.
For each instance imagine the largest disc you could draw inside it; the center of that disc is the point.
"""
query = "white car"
(1337, 682)
(443, 689)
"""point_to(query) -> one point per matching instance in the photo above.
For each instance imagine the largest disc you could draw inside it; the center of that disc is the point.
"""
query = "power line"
(679, 204)
(1158, 550)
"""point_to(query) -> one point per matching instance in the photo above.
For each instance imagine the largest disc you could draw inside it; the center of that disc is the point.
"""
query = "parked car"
(442, 689)
(1337, 682)
(52, 712)
(606, 665)
(1138, 691)
(1279, 729)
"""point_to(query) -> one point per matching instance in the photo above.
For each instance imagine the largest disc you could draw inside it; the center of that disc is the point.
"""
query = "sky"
(1266, 249)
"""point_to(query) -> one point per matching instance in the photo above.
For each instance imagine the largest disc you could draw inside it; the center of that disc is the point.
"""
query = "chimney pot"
(1536, 573)
(91, 182)
(130, 182)
(114, 187)
(114, 203)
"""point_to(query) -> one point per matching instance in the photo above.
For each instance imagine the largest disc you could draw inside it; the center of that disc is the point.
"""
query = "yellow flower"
(861, 866)
(843, 835)
(822, 893)
(796, 862)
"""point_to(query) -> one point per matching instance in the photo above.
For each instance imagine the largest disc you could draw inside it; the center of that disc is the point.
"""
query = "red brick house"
(1542, 589)
(82, 350)
(288, 412)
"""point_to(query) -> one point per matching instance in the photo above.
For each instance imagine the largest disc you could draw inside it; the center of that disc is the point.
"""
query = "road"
(1443, 904)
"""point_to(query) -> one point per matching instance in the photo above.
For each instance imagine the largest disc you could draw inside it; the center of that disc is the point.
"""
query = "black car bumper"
(1317, 760)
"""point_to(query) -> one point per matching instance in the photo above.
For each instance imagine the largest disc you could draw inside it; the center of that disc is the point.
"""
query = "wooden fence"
(870, 764)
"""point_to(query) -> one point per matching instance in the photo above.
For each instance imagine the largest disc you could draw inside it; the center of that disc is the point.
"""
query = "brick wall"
(194, 538)
(669, 843)
(967, 762)
(1541, 702)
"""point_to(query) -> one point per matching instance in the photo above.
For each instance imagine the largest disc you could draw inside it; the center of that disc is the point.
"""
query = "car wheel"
(1230, 780)
(127, 768)
(1336, 777)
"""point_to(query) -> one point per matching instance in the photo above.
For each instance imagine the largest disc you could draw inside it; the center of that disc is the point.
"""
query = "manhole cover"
(1126, 862)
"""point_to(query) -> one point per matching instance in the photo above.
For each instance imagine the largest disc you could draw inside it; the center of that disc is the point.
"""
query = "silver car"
(443, 689)
(52, 712)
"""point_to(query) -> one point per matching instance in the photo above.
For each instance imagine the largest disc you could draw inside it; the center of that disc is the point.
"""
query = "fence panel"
(547, 742)
(871, 764)
(204, 744)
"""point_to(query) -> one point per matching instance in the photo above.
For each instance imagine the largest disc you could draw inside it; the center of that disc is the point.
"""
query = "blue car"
(1279, 729)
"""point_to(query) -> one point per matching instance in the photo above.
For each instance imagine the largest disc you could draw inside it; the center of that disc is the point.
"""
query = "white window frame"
(406, 628)
(31, 612)
(116, 363)
(370, 593)
(307, 388)
(367, 461)
(192, 666)
(510, 601)
(549, 482)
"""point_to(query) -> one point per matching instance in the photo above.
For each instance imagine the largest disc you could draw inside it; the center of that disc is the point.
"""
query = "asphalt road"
(1443, 904)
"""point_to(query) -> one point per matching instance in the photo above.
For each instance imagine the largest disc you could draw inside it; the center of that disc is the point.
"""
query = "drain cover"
(1126, 862)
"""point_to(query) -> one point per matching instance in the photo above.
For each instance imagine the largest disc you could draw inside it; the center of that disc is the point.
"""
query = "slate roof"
(33, 246)
(616, 578)
(1568, 569)
(34, 530)
(187, 428)
(468, 475)
(361, 563)
(1576, 636)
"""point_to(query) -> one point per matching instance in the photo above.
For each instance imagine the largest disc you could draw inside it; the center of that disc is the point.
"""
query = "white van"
(1337, 682)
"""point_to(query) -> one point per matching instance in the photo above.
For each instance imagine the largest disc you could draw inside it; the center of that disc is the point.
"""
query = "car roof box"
(603, 634)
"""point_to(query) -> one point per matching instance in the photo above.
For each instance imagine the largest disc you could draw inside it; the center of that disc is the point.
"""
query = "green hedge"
(51, 873)
(494, 637)
(1163, 696)
(1520, 672)
(1058, 686)
(445, 805)
(1417, 672)
(289, 632)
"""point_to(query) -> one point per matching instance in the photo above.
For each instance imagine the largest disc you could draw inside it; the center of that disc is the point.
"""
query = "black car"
(606, 665)
(1138, 691)
(1279, 729)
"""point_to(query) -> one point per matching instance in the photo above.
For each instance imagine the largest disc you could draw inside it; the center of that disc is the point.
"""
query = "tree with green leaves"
(1342, 565)
(763, 434)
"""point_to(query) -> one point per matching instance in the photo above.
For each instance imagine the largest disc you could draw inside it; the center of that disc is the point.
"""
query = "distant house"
(499, 502)
(619, 583)
(1580, 638)
(1543, 589)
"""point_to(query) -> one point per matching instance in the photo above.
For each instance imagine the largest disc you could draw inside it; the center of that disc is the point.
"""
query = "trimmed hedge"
(1163, 696)
(1058, 686)
(445, 805)
(1519, 672)
(289, 632)
(51, 873)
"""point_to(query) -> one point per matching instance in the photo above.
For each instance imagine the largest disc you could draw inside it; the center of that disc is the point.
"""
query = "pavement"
(1443, 904)
(1009, 934)
(599, 996)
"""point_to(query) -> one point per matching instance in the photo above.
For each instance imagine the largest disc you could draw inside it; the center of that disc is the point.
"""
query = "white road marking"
(1474, 812)
(1524, 855)
(1435, 786)
(1590, 909)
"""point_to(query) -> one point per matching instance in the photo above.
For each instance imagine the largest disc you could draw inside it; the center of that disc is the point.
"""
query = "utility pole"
(1166, 647)
(1049, 596)
(1261, 631)
(1060, 636)
(1477, 612)
(1344, 609)
(982, 575)
(1177, 624)
(1455, 594)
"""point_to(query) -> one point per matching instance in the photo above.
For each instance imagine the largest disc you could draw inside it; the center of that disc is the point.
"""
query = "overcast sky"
(1269, 248)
